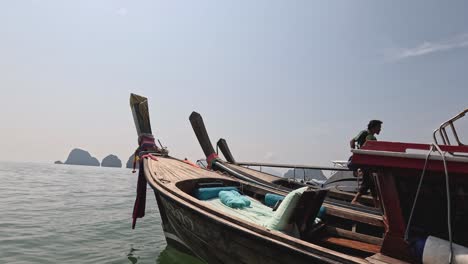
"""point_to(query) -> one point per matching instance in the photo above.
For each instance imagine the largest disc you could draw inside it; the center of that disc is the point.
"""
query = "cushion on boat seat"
(271, 199)
(211, 192)
(234, 199)
(282, 215)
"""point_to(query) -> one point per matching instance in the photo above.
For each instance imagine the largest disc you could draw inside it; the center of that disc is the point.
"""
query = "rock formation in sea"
(129, 164)
(81, 157)
(58, 162)
(309, 174)
(111, 161)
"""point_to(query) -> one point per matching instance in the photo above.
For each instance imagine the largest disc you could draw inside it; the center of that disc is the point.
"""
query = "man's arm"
(355, 139)
(352, 143)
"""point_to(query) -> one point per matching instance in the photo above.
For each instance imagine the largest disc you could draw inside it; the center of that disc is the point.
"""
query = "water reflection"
(132, 257)
(171, 255)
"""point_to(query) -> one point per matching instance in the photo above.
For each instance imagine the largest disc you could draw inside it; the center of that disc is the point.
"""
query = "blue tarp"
(271, 199)
(211, 192)
(234, 199)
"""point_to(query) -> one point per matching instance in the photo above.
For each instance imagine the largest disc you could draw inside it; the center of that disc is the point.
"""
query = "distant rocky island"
(81, 157)
(111, 161)
(130, 162)
(308, 173)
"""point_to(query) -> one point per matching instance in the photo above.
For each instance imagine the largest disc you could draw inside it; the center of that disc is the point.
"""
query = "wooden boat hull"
(214, 241)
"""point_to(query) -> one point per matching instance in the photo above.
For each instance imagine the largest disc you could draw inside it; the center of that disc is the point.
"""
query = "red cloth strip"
(146, 143)
(191, 163)
(212, 157)
(149, 156)
(140, 201)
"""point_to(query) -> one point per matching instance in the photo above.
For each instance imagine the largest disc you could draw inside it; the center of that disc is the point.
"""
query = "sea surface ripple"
(77, 214)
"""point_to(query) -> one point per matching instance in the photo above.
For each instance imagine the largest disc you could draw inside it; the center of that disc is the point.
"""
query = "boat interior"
(306, 217)
(423, 198)
(341, 191)
(430, 214)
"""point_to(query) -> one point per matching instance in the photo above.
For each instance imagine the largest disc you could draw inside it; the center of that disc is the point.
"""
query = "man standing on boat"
(373, 128)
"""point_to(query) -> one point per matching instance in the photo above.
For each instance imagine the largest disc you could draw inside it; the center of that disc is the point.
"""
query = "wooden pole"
(140, 111)
(202, 135)
(223, 146)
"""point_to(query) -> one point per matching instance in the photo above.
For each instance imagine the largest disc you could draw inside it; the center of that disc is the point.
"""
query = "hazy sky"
(281, 81)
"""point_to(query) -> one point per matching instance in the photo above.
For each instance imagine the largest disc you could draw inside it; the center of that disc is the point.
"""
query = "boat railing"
(296, 166)
(442, 131)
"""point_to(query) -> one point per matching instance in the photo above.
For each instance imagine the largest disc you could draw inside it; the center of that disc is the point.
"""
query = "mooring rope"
(449, 222)
(434, 147)
(431, 149)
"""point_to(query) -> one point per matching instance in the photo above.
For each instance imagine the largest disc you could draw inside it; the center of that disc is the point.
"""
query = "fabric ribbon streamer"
(146, 143)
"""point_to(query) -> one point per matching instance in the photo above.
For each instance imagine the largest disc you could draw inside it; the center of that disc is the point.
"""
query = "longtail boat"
(197, 219)
(337, 196)
(341, 177)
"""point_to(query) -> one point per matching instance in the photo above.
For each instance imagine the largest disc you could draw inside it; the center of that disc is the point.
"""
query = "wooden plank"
(353, 235)
(354, 215)
(357, 245)
(347, 196)
(394, 243)
(382, 259)
(172, 170)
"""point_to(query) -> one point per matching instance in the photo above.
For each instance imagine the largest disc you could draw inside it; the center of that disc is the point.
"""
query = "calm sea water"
(77, 214)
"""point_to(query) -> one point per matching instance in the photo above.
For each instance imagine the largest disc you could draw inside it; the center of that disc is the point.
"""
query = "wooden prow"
(202, 135)
(139, 106)
(223, 146)
(212, 158)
